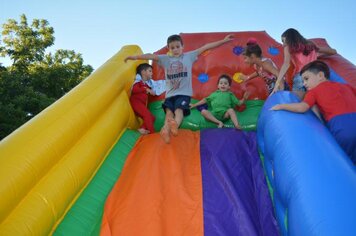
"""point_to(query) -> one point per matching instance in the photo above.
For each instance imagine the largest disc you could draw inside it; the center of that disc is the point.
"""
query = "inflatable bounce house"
(81, 168)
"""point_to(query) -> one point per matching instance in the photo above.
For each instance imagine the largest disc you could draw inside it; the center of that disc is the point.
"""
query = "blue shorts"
(177, 102)
(202, 107)
(298, 83)
(343, 128)
(218, 115)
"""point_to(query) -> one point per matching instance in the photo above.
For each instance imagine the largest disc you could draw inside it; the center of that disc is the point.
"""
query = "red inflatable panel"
(340, 65)
(223, 60)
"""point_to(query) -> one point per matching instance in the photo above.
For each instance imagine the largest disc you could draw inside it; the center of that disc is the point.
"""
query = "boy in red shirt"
(336, 102)
(139, 97)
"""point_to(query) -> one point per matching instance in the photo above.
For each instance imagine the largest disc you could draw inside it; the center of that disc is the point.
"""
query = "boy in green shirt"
(222, 103)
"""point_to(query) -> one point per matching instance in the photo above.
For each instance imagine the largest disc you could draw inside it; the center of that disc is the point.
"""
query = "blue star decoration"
(238, 50)
(203, 78)
(273, 51)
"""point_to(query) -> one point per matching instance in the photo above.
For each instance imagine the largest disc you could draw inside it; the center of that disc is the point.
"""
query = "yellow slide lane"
(46, 164)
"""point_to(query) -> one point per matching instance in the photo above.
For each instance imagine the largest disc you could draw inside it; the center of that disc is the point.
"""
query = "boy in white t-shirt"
(178, 74)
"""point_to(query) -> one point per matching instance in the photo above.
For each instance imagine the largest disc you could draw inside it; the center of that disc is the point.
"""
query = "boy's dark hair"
(316, 67)
(174, 37)
(141, 67)
(228, 78)
(253, 49)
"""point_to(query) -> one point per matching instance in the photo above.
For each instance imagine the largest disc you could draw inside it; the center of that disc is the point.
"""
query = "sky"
(99, 29)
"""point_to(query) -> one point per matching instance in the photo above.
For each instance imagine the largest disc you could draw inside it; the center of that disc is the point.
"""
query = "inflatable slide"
(80, 168)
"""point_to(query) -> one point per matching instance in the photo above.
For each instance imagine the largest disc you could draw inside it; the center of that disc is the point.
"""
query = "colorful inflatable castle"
(81, 168)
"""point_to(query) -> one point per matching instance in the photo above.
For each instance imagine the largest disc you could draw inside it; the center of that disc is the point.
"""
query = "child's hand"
(243, 77)
(275, 89)
(150, 91)
(191, 106)
(229, 37)
(281, 86)
(130, 58)
(276, 107)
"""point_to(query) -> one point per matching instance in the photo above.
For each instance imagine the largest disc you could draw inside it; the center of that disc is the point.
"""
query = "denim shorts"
(177, 102)
(298, 83)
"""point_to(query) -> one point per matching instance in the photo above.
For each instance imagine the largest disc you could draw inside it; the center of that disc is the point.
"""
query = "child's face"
(284, 41)
(223, 85)
(146, 74)
(311, 80)
(176, 48)
(249, 59)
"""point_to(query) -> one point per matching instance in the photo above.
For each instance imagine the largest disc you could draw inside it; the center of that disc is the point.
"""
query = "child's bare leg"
(178, 116)
(175, 122)
(232, 115)
(207, 115)
(169, 116)
(165, 131)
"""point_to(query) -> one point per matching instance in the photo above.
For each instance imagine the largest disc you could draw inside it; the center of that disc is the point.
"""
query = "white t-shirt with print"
(178, 73)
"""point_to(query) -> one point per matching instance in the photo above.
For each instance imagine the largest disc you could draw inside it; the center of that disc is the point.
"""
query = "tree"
(35, 79)
(25, 44)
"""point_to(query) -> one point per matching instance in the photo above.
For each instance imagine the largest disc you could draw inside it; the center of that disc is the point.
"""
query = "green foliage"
(26, 44)
(35, 79)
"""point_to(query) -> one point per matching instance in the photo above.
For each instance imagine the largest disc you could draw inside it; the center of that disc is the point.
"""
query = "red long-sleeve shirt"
(139, 92)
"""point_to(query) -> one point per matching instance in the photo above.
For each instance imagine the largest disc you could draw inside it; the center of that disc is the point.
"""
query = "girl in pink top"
(299, 52)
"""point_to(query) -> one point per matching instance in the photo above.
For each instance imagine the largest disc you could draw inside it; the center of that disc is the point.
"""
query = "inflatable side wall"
(45, 164)
(313, 181)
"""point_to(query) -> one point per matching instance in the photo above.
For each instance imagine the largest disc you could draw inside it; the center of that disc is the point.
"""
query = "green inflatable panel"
(84, 217)
(195, 121)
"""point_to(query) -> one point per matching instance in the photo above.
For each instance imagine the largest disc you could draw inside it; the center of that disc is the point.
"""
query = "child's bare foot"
(220, 124)
(238, 127)
(143, 131)
(173, 126)
(165, 134)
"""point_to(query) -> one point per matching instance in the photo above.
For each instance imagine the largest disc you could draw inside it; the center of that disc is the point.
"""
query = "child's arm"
(299, 107)
(248, 77)
(138, 89)
(244, 98)
(284, 69)
(325, 51)
(201, 102)
(147, 56)
(268, 66)
(214, 44)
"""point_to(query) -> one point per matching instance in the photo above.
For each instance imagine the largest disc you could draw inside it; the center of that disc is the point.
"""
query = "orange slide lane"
(159, 191)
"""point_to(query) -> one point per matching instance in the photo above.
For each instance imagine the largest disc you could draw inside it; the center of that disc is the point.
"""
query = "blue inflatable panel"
(335, 77)
(313, 181)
